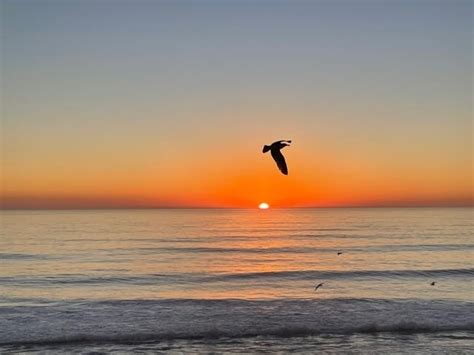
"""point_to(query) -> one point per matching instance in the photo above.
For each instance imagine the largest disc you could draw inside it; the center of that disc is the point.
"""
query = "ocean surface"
(241, 281)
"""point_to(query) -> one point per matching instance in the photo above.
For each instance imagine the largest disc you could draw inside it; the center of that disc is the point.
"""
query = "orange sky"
(242, 177)
(165, 107)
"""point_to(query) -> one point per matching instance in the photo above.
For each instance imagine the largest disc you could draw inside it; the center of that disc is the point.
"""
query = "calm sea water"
(237, 281)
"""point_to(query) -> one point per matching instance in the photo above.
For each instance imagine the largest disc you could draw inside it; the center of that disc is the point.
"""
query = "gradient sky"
(168, 103)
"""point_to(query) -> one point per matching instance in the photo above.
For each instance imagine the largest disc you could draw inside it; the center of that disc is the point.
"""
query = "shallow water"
(237, 280)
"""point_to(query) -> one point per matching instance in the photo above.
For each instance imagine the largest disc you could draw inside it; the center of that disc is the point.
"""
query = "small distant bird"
(339, 252)
(275, 148)
(433, 283)
(318, 286)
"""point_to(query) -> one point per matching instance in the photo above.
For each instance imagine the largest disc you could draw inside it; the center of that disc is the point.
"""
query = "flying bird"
(318, 286)
(433, 283)
(339, 252)
(274, 149)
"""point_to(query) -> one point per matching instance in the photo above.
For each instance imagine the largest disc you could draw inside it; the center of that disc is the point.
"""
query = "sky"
(168, 103)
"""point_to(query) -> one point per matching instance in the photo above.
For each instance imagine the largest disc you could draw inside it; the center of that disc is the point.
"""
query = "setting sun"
(263, 206)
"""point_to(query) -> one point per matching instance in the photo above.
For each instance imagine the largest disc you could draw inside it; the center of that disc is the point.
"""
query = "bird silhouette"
(274, 149)
(318, 286)
(339, 252)
(433, 283)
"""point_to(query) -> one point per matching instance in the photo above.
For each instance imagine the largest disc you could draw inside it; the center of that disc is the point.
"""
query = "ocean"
(237, 281)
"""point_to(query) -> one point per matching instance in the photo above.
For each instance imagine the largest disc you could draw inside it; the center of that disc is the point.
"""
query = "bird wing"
(280, 161)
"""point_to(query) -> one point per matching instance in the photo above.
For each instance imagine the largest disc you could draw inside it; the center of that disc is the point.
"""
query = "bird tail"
(266, 148)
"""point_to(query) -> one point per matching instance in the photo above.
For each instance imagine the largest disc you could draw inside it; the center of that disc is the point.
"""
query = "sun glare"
(263, 206)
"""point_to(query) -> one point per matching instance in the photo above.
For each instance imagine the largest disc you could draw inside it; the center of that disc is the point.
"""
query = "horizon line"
(227, 208)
